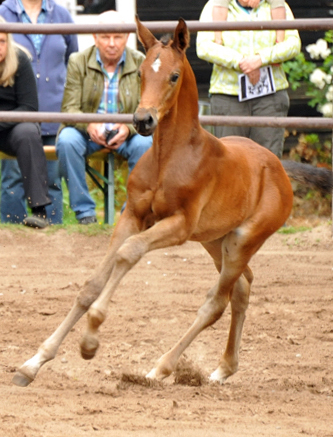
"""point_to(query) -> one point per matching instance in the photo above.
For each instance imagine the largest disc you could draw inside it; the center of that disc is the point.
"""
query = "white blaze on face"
(156, 64)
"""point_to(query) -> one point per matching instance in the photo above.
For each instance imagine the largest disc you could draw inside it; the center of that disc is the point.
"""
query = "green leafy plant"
(315, 74)
(312, 150)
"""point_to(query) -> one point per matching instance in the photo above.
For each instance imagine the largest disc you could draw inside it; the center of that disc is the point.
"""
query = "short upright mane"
(165, 39)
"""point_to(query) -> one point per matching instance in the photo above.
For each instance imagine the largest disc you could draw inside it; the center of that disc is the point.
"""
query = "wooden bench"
(105, 182)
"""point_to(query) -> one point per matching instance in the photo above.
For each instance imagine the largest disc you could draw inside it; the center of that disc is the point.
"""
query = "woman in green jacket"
(248, 78)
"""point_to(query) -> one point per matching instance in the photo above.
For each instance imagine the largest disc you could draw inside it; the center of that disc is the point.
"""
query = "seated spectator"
(50, 55)
(103, 79)
(18, 92)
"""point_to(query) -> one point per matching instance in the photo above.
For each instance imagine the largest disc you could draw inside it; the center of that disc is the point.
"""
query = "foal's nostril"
(149, 121)
(144, 121)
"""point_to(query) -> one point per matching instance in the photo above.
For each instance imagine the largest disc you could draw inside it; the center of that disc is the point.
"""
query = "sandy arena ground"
(284, 386)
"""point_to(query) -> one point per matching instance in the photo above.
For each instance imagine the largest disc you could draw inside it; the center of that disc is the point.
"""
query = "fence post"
(127, 8)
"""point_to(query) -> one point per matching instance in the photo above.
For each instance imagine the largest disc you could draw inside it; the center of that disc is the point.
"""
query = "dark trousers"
(273, 105)
(24, 142)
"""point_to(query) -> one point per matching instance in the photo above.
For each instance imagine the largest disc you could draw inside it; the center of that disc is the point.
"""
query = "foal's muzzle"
(145, 121)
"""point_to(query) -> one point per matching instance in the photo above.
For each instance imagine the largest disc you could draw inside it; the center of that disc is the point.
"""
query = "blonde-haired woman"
(18, 92)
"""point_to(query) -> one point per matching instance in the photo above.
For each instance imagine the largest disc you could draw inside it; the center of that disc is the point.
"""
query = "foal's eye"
(174, 77)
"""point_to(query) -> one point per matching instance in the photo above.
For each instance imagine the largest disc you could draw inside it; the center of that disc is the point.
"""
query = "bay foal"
(230, 195)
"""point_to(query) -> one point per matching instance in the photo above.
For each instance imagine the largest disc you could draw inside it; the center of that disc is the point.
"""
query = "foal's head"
(161, 75)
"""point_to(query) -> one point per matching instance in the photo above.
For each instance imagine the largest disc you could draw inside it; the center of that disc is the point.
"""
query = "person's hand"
(119, 138)
(253, 3)
(96, 133)
(218, 38)
(254, 76)
(250, 63)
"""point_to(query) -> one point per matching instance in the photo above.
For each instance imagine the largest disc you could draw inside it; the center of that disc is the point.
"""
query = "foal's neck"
(182, 120)
(179, 130)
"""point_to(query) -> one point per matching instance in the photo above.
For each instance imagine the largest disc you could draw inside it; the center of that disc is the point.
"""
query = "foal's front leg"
(90, 291)
(168, 232)
(48, 350)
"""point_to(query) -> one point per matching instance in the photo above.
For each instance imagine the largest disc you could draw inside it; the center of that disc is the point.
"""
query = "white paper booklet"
(263, 87)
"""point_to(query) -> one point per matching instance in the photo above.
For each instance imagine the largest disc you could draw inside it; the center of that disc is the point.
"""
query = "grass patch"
(70, 224)
(91, 230)
(69, 220)
(294, 229)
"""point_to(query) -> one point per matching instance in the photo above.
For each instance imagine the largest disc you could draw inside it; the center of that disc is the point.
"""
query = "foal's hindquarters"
(233, 286)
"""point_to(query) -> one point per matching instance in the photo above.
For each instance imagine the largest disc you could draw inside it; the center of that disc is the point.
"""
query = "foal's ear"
(146, 38)
(181, 39)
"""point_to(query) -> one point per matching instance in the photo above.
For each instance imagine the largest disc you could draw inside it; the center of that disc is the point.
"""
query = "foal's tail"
(315, 177)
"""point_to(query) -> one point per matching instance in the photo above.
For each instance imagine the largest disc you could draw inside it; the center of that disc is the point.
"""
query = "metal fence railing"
(169, 26)
(207, 120)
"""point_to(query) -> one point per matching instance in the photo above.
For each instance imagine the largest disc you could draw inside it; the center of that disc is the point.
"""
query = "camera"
(109, 134)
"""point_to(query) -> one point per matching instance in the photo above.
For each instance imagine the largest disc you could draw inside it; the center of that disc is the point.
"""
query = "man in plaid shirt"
(103, 79)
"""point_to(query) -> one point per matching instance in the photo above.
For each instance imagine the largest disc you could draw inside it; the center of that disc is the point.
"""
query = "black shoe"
(36, 221)
(88, 220)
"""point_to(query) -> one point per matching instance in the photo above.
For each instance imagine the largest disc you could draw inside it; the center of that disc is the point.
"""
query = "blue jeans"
(73, 147)
(13, 203)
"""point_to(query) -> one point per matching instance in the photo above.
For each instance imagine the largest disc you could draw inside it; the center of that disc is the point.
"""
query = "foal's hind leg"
(228, 364)
(208, 314)
(236, 257)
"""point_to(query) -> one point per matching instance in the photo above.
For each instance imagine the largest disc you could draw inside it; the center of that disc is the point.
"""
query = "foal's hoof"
(89, 345)
(21, 380)
(217, 376)
(158, 374)
(222, 373)
(151, 374)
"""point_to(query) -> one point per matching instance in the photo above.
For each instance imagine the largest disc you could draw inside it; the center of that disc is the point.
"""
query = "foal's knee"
(92, 288)
(131, 251)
